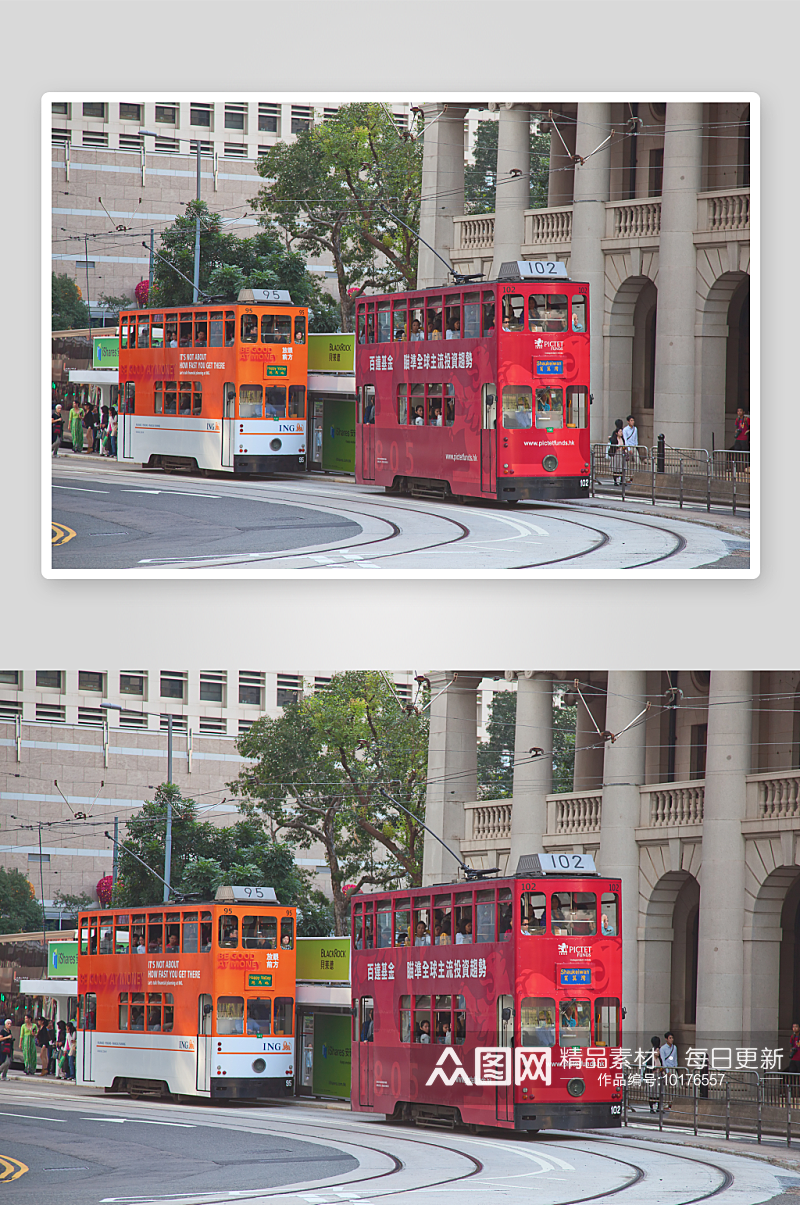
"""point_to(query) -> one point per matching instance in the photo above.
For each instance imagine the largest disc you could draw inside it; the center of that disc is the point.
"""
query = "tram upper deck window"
(172, 933)
(452, 316)
(284, 1010)
(573, 913)
(92, 934)
(579, 313)
(106, 945)
(122, 935)
(484, 915)
(402, 922)
(504, 914)
(123, 333)
(275, 401)
(547, 312)
(259, 932)
(205, 932)
(259, 1015)
(575, 1023)
(384, 322)
(513, 309)
(400, 320)
(276, 328)
(550, 407)
(144, 330)
(230, 328)
(462, 904)
(190, 933)
(155, 932)
(416, 317)
(442, 920)
(537, 1021)
(84, 932)
(171, 330)
(383, 920)
(609, 914)
(249, 328)
(300, 328)
(287, 933)
(577, 406)
(488, 318)
(533, 913)
(201, 330)
(433, 318)
(250, 401)
(157, 330)
(471, 325)
(138, 942)
(517, 406)
(185, 330)
(229, 932)
(422, 920)
(230, 1015)
(215, 331)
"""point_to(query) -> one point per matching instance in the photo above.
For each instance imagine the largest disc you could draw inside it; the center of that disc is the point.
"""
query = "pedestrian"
(653, 1068)
(43, 1042)
(112, 433)
(61, 1051)
(72, 1050)
(28, 1043)
(76, 426)
(631, 437)
(89, 425)
(742, 441)
(616, 450)
(669, 1051)
(57, 428)
(6, 1048)
(793, 1066)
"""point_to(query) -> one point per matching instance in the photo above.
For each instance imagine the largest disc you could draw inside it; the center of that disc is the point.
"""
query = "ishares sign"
(493, 1067)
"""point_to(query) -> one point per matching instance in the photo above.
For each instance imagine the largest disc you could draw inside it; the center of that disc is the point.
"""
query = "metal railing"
(663, 473)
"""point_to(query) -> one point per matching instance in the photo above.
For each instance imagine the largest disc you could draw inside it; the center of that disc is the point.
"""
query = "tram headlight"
(576, 1087)
(276, 445)
(550, 464)
(259, 1065)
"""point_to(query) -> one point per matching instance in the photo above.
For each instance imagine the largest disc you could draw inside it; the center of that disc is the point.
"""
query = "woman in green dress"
(28, 1040)
(76, 426)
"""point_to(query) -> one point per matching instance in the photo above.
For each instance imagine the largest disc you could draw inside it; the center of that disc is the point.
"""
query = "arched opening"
(737, 365)
(630, 355)
(670, 957)
(683, 987)
(771, 953)
(724, 359)
(789, 989)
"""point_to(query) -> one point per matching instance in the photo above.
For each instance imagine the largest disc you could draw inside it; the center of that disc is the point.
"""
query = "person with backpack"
(616, 451)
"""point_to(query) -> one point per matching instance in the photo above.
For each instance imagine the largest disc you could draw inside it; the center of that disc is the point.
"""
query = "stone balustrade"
(473, 233)
(773, 796)
(723, 212)
(634, 219)
(667, 805)
(488, 820)
(544, 227)
(575, 813)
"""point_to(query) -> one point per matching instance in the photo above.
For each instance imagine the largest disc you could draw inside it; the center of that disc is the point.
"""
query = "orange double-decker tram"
(189, 999)
(215, 387)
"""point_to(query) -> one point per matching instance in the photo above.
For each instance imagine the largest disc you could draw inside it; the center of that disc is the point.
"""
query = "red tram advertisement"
(477, 391)
(517, 1021)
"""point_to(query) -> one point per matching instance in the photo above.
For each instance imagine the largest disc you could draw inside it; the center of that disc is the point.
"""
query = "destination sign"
(549, 368)
(259, 981)
(275, 370)
(575, 976)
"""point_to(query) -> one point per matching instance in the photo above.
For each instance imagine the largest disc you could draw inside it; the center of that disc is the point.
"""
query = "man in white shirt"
(669, 1052)
(630, 434)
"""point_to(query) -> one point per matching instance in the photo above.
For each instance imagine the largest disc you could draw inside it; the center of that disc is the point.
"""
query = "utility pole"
(150, 277)
(41, 888)
(168, 841)
(115, 863)
(86, 263)
(196, 289)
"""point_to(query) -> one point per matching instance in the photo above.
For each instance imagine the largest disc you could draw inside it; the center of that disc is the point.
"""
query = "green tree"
(480, 176)
(564, 720)
(69, 312)
(20, 911)
(336, 189)
(73, 904)
(229, 263)
(117, 302)
(496, 754)
(319, 774)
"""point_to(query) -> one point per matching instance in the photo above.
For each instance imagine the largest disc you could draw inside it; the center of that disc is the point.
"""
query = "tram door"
(367, 406)
(204, 1013)
(365, 1051)
(89, 1026)
(489, 440)
(125, 421)
(228, 423)
(504, 1094)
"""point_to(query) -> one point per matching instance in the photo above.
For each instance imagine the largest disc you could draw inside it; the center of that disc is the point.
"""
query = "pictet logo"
(493, 1067)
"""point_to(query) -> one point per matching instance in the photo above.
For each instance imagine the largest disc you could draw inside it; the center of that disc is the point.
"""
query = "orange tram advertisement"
(215, 387)
(492, 1003)
(189, 999)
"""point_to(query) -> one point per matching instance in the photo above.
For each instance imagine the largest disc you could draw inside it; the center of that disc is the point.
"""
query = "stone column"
(533, 776)
(512, 192)
(720, 957)
(677, 275)
(442, 189)
(589, 747)
(452, 769)
(623, 774)
(562, 169)
(591, 192)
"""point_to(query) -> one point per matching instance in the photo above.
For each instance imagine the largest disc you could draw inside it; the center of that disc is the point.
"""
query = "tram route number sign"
(259, 981)
(575, 976)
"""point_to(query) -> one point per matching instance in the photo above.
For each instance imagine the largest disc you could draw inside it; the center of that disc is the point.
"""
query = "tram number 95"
(616, 1110)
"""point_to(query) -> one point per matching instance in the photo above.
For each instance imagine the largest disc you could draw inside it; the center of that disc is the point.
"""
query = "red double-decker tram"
(477, 391)
(492, 1004)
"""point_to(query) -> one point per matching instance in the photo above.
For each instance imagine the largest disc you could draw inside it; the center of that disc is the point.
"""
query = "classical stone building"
(648, 202)
(687, 786)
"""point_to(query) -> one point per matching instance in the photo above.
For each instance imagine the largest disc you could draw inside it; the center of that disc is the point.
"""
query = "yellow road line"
(11, 1169)
(61, 533)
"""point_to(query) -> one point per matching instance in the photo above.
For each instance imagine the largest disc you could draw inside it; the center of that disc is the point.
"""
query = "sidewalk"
(771, 1149)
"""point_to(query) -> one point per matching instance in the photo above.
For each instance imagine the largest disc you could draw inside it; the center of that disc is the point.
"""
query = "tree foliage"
(20, 911)
(69, 311)
(480, 176)
(229, 263)
(496, 755)
(73, 903)
(319, 774)
(340, 187)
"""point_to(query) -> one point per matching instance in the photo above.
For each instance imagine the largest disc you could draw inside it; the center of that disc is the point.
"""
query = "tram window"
(422, 932)
(573, 913)
(607, 1022)
(402, 921)
(361, 323)
(369, 933)
(609, 914)
(154, 1012)
(155, 933)
(197, 398)
(205, 932)
(137, 1010)
(489, 400)
(579, 313)
(364, 1018)
(575, 1023)
(452, 316)
(229, 932)
(230, 328)
(228, 399)
(249, 331)
(287, 933)
(215, 328)
(259, 1015)
(129, 401)
(170, 397)
(158, 397)
(487, 312)
(123, 1010)
(168, 1021)
(84, 935)
(230, 1015)
(547, 312)
(123, 333)
(269, 329)
(550, 407)
(275, 401)
(417, 406)
(517, 406)
(442, 1020)
(463, 911)
(93, 935)
(122, 935)
(442, 920)
(90, 1014)
(370, 314)
(106, 939)
(513, 311)
(250, 403)
(138, 943)
(283, 1016)
(417, 321)
(366, 404)
(384, 323)
(422, 1019)
(576, 406)
(157, 330)
(259, 932)
(405, 1018)
(189, 945)
(173, 933)
(504, 914)
(185, 336)
(171, 330)
(400, 320)
(459, 1021)
(358, 930)
(484, 913)
(537, 1021)
(433, 318)
(383, 920)
(434, 411)
(449, 411)
(184, 397)
(402, 404)
(533, 913)
(300, 328)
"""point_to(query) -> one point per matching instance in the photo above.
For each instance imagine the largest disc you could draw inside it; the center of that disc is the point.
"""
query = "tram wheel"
(512, 501)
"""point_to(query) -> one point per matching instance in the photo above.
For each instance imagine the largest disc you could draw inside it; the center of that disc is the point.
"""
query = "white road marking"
(79, 489)
(143, 1121)
(32, 1117)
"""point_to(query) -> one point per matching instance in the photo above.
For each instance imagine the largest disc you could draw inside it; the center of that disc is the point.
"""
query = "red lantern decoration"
(105, 889)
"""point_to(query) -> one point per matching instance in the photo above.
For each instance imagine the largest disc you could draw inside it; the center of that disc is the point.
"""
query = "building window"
(131, 684)
(60, 137)
(9, 710)
(290, 688)
(403, 691)
(128, 112)
(167, 146)
(84, 263)
(167, 115)
(95, 109)
(60, 108)
(38, 859)
(90, 680)
(131, 142)
(245, 726)
(200, 115)
(173, 685)
(321, 684)
(329, 114)
(400, 120)
(697, 757)
(269, 118)
(10, 677)
(235, 150)
(132, 719)
(91, 138)
(179, 723)
(48, 679)
(236, 117)
(212, 687)
(301, 118)
(49, 714)
(212, 726)
(205, 148)
(251, 688)
(91, 717)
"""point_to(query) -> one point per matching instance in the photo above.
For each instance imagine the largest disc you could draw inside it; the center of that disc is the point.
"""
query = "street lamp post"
(196, 284)
(168, 838)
